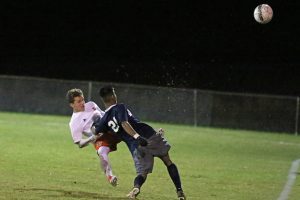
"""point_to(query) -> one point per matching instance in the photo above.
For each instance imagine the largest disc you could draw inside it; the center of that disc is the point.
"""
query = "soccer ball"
(263, 13)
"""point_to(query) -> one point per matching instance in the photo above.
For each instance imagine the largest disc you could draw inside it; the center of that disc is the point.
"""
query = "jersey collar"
(110, 107)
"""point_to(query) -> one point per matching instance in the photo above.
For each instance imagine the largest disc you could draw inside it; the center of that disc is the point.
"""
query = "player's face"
(78, 104)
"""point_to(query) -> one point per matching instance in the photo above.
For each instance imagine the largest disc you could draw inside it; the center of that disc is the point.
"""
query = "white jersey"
(81, 122)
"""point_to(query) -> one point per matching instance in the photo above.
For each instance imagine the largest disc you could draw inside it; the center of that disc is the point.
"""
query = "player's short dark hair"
(71, 94)
(106, 91)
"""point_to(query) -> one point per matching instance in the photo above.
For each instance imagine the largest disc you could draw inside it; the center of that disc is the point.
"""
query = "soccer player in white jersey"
(80, 124)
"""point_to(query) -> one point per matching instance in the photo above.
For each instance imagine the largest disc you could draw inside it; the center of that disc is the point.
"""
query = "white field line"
(290, 182)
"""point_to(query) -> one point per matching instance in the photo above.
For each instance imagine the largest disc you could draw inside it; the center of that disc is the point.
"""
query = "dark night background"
(213, 45)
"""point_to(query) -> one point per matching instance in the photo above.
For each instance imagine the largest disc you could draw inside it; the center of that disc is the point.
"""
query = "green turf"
(39, 161)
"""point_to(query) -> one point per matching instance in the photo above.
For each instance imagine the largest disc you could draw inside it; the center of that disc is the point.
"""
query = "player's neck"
(109, 104)
(77, 111)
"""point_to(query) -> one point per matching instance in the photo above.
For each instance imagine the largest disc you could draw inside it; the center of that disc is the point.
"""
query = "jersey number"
(113, 124)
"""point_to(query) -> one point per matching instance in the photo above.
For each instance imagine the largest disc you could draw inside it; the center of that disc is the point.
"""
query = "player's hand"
(93, 138)
(93, 130)
(160, 132)
(142, 141)
(96, 137)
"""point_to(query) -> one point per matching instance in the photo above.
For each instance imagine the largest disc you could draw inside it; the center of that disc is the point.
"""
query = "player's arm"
(87, 134)
(84, 142)
(98, 128)
(129, 130)
(122, 117)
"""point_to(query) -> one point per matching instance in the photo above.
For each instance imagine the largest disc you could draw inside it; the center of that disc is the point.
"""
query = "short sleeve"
(76, 132)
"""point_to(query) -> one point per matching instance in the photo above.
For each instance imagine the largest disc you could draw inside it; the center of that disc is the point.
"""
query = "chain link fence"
(159, 104)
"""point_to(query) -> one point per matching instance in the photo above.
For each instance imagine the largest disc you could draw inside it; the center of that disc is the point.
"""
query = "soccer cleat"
(133, 193)
(181, 195)
(113, 180)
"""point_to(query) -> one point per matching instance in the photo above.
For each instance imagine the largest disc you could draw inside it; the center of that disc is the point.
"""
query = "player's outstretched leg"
(174, 174)
(105, 165)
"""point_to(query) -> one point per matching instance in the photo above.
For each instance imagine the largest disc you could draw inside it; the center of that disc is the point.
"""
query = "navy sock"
(139, 181)
(174, 174)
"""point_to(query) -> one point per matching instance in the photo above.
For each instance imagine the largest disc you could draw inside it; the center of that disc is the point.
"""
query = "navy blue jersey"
(112, 120)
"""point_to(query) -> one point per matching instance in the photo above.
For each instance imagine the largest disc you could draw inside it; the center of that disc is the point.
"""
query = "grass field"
(39, 161)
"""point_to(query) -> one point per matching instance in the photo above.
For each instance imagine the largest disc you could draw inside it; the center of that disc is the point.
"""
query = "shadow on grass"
(72, 194)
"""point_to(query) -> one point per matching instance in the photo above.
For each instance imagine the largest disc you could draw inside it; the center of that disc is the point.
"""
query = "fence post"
(297, 117)
(195, 108)
(90, 91)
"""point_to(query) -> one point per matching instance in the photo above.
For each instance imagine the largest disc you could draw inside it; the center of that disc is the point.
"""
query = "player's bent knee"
(102, 153)
(166, 159)
(144, 174)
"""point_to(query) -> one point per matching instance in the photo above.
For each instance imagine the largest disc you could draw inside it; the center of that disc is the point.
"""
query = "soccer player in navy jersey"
(142, 140)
